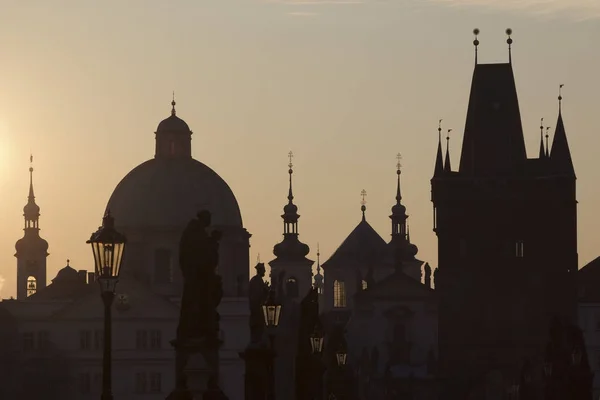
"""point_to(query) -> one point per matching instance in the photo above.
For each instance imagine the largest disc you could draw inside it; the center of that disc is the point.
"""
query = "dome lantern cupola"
(173, 137)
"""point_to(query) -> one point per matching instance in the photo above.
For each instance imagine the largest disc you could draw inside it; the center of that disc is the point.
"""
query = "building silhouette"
(507, 237)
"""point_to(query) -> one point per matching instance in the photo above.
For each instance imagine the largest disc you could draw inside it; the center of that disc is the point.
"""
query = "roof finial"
(173, 113)
(398, 167)
(68, 262)
(547, 144)
(290, 171)
(560, 97)
(447, 166)
(363, 203)
(31, 195)
(509, 41)
(542, 149)
(475, 43)
(440, 130)
(318, 259)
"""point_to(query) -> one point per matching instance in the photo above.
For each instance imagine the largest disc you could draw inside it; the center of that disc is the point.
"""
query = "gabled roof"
(363, 246)
(396, 286)
(588, 282)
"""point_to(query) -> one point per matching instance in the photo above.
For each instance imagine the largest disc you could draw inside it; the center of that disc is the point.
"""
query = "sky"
(344, 84)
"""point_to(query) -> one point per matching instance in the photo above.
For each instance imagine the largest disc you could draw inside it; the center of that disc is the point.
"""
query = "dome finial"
(173, 103)
(476, 42)
(68, 262)
(447, 166)
(547, 144)
(318, 259)
(363, 203)
(542, 148)
(509, 41)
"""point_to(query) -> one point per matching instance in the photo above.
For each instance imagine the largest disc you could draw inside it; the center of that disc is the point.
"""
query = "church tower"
(32, 250)
(507, 237)
(291, 270)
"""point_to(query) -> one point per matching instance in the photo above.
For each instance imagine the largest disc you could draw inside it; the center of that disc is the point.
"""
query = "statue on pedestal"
(258, 291)
(198, 329)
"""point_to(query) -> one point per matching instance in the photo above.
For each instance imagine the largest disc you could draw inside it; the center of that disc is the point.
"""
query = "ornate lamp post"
(271, 312)
(108, 247)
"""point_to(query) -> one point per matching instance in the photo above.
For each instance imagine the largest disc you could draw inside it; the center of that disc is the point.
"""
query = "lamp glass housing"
(271, 311)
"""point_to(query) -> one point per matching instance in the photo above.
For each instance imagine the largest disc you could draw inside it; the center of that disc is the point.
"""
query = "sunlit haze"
(345, 85)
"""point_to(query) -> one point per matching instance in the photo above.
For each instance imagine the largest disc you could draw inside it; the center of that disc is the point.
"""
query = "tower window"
(291, 287)
(339, 294)
(31, 286)
(519, 247)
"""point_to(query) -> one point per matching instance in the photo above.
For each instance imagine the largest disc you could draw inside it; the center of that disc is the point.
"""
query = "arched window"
(339, 294)
(291, 287)
(31, 286)
(364, 285)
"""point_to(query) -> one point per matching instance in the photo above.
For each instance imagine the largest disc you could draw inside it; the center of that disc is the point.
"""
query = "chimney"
(82, 275)
(91, 277)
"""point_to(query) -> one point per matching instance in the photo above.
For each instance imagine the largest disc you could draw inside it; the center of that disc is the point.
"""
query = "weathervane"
(363, 193)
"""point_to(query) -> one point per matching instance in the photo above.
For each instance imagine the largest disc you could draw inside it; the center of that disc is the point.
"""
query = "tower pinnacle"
(363, 203)
(475, 43)
(173, 103)
(510, 42)
(447, 166)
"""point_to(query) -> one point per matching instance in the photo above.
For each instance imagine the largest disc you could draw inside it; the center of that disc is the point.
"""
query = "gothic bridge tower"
(507, 236)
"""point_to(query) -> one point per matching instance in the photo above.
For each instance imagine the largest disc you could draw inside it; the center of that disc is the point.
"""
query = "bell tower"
(32, 250)
(290, 264)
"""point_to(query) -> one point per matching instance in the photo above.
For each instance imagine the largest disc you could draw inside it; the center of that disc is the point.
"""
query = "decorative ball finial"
(399, 163)
(448, 135)
(290, 165)
(30, 162)
(476, 42)
(68, 262)
(508, 33)
(560, 93)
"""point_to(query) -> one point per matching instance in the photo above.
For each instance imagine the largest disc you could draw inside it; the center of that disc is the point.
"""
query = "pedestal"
(192, 372)
(258, 374)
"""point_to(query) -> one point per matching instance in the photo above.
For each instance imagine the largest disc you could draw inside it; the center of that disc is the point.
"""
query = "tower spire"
(542, 149)
(560, 98)
(363, 203)
(547, 143)
(510, 42)
(31, 196)
(475, 43)
(439, 160)
(173, 103)
(398, 166)
(290, 171)
(398, 216)
(447, 166)
(561, 154)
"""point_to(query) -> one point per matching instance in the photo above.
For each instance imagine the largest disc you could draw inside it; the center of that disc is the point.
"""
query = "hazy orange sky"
(344, 84)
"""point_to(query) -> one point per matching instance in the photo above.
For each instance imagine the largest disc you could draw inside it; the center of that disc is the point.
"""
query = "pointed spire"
(542, 149)
(290, 171)
(561, 154)
(439, 160)
(547, 143)
(447, 167)
(363, 203)
(319, 277)
(318, 259)
(509, 41)
(173, 103)
(476, 42)
(31, 211)
(398, 166)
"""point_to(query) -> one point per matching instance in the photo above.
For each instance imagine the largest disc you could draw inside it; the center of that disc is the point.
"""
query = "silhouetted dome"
(31, 243)
(291, 248)
(290, 209)
(66, 274)
(167, 193)
(31, 209)
(173, 124)
(411, 250)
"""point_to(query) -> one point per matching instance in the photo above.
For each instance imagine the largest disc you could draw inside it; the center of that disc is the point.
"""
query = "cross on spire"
(290, 156)
(399, 163)
(363, 194)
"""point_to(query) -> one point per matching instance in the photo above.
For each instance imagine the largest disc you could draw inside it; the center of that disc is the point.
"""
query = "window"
(98, 340)
(364, 284)
(85, 340)
(339, 294)
(155, 339)
(140, 382)
(28, 341)
(519, 249)
(155, 382)
(43, 340)
(162, 266)
(31, 285)
(141, 340)
(291, 287)
(85, 383)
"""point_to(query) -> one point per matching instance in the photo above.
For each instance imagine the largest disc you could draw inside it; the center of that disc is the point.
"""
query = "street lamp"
(108, 246)
(271, 313)
(341, 355)
(317, 339)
